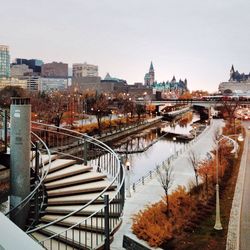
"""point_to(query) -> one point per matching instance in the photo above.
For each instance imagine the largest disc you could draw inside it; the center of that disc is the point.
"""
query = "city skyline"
(195, 40)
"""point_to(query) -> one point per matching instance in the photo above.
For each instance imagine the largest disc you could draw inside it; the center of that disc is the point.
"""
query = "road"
(245, 207)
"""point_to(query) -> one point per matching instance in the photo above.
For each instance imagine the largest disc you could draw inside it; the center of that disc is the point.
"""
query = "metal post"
(123, 185)
(85, 152)
(36, 181)
(20, 148)
(106, 222)
(36, 160)
(5, 130)
(128, 193)
(37, 202)
(217, 225)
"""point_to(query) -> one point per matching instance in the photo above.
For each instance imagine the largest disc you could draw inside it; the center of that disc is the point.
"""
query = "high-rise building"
(4, 62)
(55, 69)
(84, 69)
(33, 64)
(149, 78)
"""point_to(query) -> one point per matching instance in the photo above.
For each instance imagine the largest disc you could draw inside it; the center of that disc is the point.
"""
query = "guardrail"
(39, 176)
(82, 147)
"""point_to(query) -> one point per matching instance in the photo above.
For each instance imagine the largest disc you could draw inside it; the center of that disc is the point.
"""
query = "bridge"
(198, 102)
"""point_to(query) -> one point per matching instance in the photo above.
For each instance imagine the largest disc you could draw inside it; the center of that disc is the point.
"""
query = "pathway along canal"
(142, 163)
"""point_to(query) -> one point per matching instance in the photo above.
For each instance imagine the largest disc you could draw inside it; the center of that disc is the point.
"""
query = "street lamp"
(174, 140)
(218, 225)
(127, 164)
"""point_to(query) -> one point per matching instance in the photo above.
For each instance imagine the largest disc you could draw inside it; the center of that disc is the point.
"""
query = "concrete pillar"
(20, 113)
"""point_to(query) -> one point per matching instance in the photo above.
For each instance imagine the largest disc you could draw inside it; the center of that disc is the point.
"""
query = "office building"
(20, 70)
(84, 69)
(52, 84)
(4, 62)
(34, 64)
(55, 69)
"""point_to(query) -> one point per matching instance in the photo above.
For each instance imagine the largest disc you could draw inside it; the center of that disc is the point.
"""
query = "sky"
(194, 39)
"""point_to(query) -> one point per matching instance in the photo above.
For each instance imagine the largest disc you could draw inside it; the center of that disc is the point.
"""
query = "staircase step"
(60, 164)
(45, 159)
(52, 243)
(95, 224)
(86, 211)
(88, 240)
(82, 188)
(78, 199)
(69, 171)
(77, 179)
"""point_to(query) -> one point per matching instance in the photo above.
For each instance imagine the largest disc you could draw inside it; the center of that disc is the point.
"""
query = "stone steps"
(76, 179)
(69, 186)
(77, 199)
(81, 188)
(66, 172)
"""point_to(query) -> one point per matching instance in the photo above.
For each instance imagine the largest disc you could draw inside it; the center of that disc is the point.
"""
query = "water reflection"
(141, 163)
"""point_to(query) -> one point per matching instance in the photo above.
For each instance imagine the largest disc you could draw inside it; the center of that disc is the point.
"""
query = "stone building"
(149, 77)
(238, 83)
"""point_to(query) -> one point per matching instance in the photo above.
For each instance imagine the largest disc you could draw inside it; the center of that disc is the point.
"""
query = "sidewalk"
(238, 236)
(152, 191)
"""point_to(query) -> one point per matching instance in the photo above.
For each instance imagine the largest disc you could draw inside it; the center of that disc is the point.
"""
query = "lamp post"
(174, 140)
(128, 193)
(218, 225)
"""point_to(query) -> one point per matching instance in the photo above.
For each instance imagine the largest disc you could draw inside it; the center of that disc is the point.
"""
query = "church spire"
(151, 67)
(232, 68)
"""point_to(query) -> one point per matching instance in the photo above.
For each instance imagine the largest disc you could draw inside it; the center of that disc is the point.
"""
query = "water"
(142, 163)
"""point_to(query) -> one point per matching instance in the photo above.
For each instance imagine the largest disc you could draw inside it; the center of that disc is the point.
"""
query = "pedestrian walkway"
(152, 191)
(238, 236)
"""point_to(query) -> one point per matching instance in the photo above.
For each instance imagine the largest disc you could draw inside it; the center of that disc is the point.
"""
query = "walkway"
(152, 191)
(245, 206)
(238, 236)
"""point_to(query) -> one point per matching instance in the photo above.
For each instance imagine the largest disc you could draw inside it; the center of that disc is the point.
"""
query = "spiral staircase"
(77, 190)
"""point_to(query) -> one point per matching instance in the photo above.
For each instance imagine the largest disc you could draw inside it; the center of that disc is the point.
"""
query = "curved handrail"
(43, 176)
(116, 177)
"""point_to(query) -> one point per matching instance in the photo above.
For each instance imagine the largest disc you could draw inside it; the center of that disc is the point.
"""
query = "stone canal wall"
(129, 130)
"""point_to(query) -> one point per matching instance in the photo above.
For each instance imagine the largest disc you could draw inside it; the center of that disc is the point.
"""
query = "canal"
(158, 146)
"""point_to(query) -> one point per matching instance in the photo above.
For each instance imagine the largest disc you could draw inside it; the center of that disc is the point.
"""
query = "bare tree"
(230, 106)
(165, 177)
(193, 159)
(100, 109)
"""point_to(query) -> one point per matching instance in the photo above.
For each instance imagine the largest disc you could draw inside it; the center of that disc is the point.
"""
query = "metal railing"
(93, 230)
(39, 175)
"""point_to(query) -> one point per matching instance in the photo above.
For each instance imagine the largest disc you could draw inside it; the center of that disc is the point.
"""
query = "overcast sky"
(193, 39)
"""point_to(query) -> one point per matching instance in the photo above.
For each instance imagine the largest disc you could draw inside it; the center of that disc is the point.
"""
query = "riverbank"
(153, 192)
